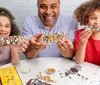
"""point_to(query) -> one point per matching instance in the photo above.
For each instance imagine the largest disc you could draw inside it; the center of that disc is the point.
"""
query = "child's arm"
(80, 53)
(16, 49)
(15, 55)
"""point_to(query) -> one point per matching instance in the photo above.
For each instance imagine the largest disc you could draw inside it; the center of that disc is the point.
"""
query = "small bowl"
(25, 70)
(50, 71)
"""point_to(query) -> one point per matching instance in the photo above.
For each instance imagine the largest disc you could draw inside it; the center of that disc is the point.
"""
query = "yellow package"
(9, 76)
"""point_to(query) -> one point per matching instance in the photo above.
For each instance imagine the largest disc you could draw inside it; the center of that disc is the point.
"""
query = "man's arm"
(34, 46)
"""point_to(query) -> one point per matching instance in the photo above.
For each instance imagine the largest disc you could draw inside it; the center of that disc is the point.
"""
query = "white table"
(89, 74)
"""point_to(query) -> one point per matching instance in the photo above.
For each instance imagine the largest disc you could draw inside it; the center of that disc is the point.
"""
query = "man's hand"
(65, 45)
(36, 44)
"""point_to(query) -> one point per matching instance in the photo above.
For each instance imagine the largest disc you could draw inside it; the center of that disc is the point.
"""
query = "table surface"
(88, 75)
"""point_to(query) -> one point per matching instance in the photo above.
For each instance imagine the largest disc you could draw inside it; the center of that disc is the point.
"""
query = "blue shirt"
(65, 23)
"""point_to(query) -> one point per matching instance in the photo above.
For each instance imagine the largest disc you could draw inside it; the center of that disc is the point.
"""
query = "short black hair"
(38, 1)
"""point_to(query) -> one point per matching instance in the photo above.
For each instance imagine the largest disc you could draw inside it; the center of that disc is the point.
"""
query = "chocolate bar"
(49, 38)
(93, 28)
(5, 41)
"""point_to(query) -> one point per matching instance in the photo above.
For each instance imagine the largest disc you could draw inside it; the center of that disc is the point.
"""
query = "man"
(49, 20)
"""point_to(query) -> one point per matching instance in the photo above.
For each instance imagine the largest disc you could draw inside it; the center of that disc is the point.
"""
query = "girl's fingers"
(88, 35)
(84, 34)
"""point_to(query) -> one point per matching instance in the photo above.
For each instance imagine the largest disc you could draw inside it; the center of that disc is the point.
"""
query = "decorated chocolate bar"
(93, 28)
(49, 38)
(37, 81)
(5, 41)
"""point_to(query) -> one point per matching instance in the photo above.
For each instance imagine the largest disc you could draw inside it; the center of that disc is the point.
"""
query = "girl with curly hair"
(8, 28)
(87, 42)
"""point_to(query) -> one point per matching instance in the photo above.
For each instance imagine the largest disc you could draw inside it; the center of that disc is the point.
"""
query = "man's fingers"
(38, 36)
(70, 45)
(33, 41)
(64, 44)
(60, 47)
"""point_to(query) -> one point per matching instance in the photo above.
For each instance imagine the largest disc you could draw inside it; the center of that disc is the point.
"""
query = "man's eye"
(53, 7)
(43, 7)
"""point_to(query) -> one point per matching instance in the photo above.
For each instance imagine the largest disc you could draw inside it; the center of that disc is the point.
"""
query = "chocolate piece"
(75, 69)
(67, 73)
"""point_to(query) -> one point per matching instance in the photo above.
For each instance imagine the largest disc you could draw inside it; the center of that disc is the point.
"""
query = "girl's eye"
(7, 26)
(93, 18)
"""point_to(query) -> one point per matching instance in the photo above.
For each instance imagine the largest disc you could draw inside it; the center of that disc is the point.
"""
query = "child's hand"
(84, 36)
(65, 45)
(22, 46)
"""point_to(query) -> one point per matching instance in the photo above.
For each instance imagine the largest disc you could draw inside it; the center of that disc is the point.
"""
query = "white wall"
(23, 8)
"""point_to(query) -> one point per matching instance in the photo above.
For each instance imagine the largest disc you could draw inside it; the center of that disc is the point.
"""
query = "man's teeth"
(49, 17)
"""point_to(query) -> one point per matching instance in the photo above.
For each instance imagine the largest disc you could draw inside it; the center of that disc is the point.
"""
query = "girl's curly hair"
(14, 27)
(85, 9)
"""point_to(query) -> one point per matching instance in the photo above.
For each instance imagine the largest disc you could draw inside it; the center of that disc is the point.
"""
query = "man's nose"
(48, 11)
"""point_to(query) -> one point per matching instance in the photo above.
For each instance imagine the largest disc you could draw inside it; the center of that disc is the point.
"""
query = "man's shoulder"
(31, 17)
(67, 16)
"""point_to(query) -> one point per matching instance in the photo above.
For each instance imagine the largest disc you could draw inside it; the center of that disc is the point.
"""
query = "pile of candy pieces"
(93, 28)
(73, 70)
(45, 78)
(50, 71)
(5, 41)
(36, 81)
(49, 38)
